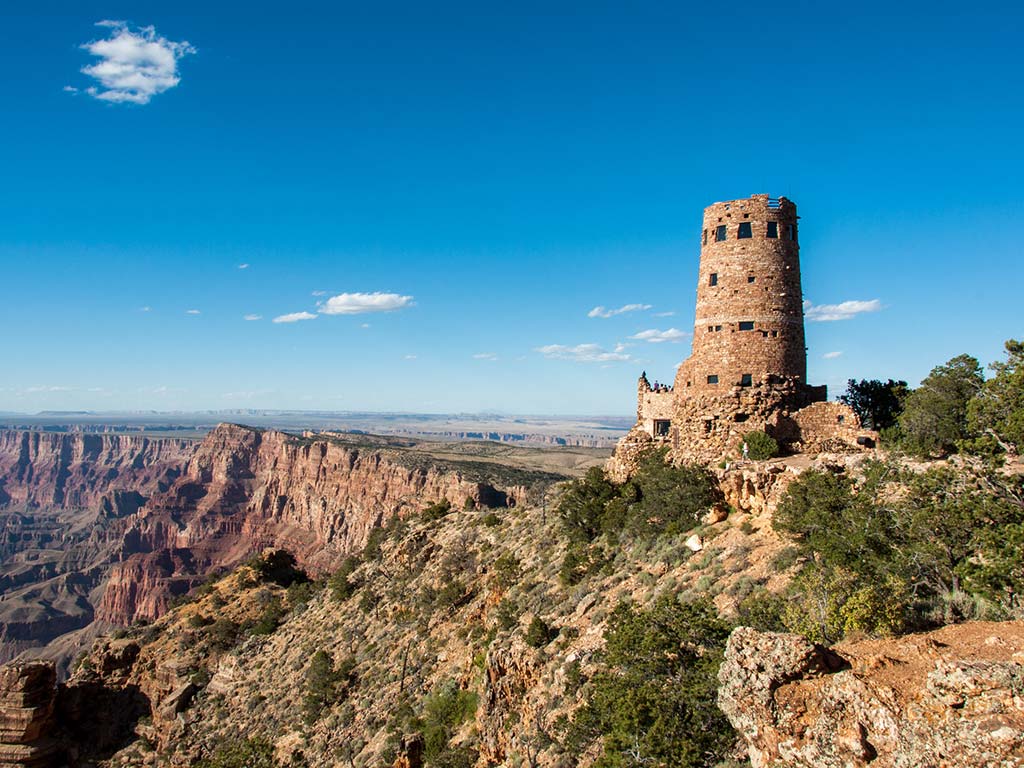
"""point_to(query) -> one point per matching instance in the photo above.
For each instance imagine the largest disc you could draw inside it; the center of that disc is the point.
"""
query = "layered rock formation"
(28, 692)
(64, 504)
(52, 469)
(247, 489)
(99, 530)
(953, 697)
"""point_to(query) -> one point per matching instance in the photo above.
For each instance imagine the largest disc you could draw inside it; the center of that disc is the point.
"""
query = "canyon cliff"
(101, 530)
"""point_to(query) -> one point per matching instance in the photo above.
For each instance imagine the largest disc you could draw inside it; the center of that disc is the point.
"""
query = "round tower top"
(755, 208)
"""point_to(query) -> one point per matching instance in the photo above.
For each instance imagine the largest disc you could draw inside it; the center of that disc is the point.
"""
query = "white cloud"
(485, 356)
(294, 317)
(33, 390)
(832, 355)
(319, 293)
(361, 303)
(654, 336)
(70, 89)
(410, 357)
(606, 313)
(243, 266)
(664, 314)
(842, 311)
(584, 353)
(135, 64)
(193, 312)
(253, 317)
(364, 325)
(145, 309)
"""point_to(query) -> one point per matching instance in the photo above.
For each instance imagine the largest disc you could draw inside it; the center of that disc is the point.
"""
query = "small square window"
(711, 328)
(774, 334)
(718, 327)
(712, 379)
(746, 325)
(713, 280)
(720, 233)
(661, 427)
(745, 232)
(746, 380)
(751, 278)
(773, 230)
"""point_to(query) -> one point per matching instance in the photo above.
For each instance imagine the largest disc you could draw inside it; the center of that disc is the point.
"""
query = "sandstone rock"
(694, 543)
(945, 698)
(28, 692)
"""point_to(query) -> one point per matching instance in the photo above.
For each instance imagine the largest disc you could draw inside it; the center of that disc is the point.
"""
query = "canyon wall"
(110, 528)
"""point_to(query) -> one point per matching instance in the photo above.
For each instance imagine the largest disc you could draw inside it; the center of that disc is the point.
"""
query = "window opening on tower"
(720, 233)
(713, 280)
(745, 232)
(773, 230)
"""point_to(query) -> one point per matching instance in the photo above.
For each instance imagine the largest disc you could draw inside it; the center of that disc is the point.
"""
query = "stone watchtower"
(748, 367)
(749, 326)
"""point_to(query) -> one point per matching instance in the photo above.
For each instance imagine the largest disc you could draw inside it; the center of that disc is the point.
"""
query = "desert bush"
(445, 708)
(238, 753)
(653, 700)
(539, 633)
(760, 445)
(436, 511)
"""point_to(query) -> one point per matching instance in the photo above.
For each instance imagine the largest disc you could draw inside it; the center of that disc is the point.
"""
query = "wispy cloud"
(46, 388)
(485, 356)
(243, 266)
(664, 314)
(832, 355)
(842, 311)
(655, 336)
(603, 312)
(584, 353)
(364, 325)
(319, 293)
(294, 317)
(362, 303)
(193, 312)
(410, 357)
(134, 64)
(145, 309)
(253, 317)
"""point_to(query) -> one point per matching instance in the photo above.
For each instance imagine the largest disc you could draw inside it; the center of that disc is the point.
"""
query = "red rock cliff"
(47, 469)
(246, 489)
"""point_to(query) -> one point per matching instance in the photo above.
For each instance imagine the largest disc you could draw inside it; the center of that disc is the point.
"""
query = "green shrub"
(340, 583)
(324, 684)
(445, 708)
(760, 446)
(507, 613)
(506, 572)
(652, 702)
(248, 753)
(539, 634)
(437, 510)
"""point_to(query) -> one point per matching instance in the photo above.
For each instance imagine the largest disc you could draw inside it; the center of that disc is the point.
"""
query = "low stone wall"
(823, 427)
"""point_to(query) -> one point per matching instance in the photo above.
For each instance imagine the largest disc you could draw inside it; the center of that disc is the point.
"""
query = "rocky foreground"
(953, 697)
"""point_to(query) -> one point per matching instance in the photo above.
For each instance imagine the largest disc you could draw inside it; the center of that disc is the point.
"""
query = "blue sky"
(496, 173)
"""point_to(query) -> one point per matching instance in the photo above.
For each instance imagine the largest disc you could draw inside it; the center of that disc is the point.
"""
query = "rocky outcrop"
(247, 489)
(28, 693)
(953, 697)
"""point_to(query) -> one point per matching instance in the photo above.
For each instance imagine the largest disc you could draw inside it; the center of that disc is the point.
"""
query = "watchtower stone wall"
(748, 366)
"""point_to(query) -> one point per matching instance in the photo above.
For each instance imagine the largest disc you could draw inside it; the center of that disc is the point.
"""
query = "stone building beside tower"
(748, 367)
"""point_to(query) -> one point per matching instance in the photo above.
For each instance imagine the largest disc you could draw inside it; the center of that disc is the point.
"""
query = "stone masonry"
(748, 367)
